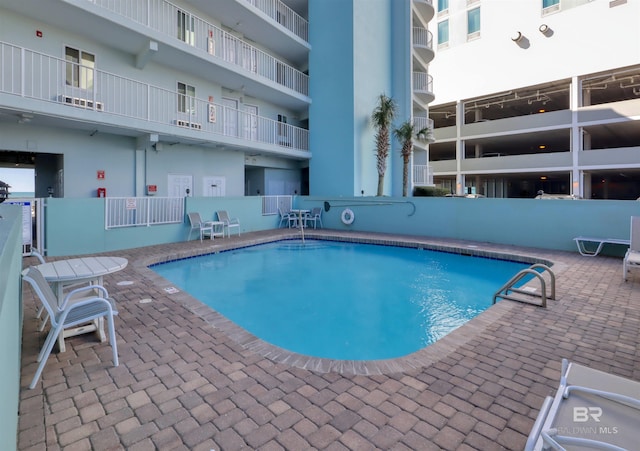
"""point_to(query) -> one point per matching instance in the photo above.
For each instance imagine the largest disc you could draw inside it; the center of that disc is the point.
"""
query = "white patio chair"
(289, 218)
(314, 216)
(72, 312)
(632, 257)
(229, 223)
(205, 228)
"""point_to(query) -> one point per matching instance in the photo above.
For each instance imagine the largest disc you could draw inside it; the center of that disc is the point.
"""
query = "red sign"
(100, 175)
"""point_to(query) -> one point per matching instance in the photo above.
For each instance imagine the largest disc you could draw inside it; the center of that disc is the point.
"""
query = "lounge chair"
(229, 223)
(73, 311)
(591, 410)
(632, 257)
(204, 227)
(314, 216)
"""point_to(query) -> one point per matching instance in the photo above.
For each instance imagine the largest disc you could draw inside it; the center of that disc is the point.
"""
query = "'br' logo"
(583, 414)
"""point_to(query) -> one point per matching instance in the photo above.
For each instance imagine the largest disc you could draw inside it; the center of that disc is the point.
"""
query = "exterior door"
(230, 116)
(214, 186)
(180, 185)
(251, 122)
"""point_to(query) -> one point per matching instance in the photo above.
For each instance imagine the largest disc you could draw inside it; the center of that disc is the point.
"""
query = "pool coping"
(418, 359)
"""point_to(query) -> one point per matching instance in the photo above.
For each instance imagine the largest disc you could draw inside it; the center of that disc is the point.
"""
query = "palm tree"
(405, 134)
(382, 117)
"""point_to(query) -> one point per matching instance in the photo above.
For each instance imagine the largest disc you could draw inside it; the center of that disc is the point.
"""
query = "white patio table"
(73, 271)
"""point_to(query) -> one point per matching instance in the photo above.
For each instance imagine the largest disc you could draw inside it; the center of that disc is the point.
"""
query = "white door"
(214, 186)
(251, 122)
(180, 185)
(230, 116)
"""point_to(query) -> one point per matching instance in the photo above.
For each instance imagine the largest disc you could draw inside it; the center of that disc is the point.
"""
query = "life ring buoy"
(347, 216)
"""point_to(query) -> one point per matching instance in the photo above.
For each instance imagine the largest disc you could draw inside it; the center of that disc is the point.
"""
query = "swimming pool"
(339, 300)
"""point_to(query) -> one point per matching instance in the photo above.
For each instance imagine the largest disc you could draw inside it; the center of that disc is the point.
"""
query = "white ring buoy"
(347, 216)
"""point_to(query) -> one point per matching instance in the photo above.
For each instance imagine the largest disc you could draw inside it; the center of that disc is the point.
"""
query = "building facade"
(207, 98)
(537, 95)
(135, 98)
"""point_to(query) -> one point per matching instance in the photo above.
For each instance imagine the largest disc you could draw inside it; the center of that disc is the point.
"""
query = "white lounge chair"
(204, 227)
(73, 311)
(632, 257)
(591, 410)
(229, 223)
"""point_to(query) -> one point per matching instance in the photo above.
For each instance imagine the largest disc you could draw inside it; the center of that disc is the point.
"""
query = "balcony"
(422, 175)
(37, 83)
(198, 47)
(425, 9)
(423, 87)
(423, 44)
(269, 22)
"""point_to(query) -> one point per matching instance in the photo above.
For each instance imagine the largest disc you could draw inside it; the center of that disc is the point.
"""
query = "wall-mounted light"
(545, 30)
(517, 37)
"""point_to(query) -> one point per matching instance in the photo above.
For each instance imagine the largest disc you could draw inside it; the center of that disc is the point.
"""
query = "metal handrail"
(508, 287)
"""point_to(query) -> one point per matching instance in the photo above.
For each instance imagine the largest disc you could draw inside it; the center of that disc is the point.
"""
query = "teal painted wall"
(77, 226)
(402, 82)
(10, 322)
(547, 224)
(331, 86)
(357, 46)
(372, 77)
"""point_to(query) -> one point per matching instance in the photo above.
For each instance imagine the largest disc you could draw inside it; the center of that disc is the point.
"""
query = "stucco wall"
(10, 322)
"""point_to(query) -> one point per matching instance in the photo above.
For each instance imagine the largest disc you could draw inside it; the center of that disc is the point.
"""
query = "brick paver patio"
(189, 380)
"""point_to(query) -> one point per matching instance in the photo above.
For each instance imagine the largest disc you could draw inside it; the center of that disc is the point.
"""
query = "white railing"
(422, 175)
(35, 75)
(217, 43)
(143, 211)
(422, 82)
(284, 15)
(271, 204)
(422, 37)
(421, 122)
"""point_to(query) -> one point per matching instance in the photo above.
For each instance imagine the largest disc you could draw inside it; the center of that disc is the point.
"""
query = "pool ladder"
(525, 295)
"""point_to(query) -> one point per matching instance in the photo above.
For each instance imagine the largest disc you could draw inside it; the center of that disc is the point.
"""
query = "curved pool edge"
(423, 357)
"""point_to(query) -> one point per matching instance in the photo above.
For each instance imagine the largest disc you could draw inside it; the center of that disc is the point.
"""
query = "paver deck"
(189, 380)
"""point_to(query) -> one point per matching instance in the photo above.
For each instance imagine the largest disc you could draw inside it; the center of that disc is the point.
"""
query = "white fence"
(143, 211)
(271, 204)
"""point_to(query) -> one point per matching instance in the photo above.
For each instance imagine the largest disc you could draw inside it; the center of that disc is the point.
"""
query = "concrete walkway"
(190, 380)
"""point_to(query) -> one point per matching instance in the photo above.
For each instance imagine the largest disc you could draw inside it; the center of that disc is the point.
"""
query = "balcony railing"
(38, 76)
(183, 26)
(421, 122)
(284, 15)
(422, 37)
(423, 86)
(422, 175)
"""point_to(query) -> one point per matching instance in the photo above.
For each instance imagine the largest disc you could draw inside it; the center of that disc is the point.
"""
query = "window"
(443, 5)
(80, 67)
(186, 27)
(473, 22)
(186, 98)
(549, 3)
(443, 32)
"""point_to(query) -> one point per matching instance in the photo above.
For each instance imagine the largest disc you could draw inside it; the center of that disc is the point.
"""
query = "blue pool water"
(342, 300)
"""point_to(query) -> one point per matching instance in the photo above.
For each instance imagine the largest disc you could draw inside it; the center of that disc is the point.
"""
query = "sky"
(20, 180)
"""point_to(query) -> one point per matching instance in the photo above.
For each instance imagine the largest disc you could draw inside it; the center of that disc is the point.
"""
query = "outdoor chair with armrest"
(73, 311)
(228, 222)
